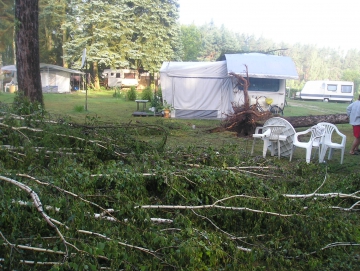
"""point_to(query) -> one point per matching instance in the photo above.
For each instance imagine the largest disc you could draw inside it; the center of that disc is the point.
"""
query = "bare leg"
(355, 145)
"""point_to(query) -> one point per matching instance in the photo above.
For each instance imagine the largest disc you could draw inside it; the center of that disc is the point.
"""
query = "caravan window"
(332, 88)
(129, 75)
(118, 75)
(346, 89)
(264, 84)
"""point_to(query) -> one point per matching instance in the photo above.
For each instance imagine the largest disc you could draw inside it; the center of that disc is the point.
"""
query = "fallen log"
(301, 121)
(307, 121)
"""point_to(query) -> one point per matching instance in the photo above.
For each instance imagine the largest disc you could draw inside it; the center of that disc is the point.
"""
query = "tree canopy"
(138, 34)
(141, 34)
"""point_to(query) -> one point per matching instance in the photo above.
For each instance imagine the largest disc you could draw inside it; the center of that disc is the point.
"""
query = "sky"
(324, 23)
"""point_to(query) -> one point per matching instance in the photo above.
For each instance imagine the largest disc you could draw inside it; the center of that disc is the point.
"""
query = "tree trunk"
(27, 49)
(96, 75)
(49, 42)
(307, 121)
(14, 46)
(64, 40)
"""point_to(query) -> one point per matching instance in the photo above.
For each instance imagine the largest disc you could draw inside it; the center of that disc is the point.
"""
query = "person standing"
(353, 112)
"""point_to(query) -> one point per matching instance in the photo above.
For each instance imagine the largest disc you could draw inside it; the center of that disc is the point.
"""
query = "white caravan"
(328, 91)
(206, 90)
(121, 77)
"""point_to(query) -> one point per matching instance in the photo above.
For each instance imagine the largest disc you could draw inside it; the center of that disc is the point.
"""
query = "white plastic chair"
(7, 87)
(328, 144)
(271, 134)
(316, 138)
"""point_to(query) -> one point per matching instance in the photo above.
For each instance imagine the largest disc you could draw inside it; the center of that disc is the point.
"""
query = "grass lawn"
(107, 109)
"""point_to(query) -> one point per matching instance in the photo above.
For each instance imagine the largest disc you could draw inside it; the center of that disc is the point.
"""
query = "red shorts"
(356, 131)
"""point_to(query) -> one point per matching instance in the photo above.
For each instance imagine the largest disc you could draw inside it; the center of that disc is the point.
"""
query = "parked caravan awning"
(50, 67)
(10, 68)
(44, 67)
(262, 65)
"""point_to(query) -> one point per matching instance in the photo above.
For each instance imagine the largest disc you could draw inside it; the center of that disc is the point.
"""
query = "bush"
(147, 94)
(117, 93)
(159, 93)
(23, 106)
(157, 100)
(131, 94)
(79, 108)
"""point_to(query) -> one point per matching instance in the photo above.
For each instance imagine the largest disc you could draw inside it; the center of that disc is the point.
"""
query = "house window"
(264, 84)
(332, 88)
(346, 89)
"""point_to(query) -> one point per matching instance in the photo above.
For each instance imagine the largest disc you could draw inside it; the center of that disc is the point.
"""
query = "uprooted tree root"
(245, 116)
(244, 120)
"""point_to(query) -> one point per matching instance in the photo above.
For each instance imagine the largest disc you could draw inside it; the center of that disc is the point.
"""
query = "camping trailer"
(206, 90)
(121, 77)
(328, 91)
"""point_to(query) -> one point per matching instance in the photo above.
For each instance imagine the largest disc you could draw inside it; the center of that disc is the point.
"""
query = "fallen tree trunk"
(303, 121)
(307, 121)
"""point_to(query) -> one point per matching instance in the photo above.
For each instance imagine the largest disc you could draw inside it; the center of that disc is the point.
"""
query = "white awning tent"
(196, 89)
(54, 78)
(204, 90)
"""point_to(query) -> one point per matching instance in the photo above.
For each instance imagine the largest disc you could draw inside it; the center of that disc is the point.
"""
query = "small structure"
(207, 90)
(54, 79)
(121, 77)
(143, 103)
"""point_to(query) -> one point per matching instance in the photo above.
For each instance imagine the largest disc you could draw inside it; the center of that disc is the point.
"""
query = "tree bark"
(27, 49)
(96, 75)
(307, 121)
(65, 36)
(64, 40)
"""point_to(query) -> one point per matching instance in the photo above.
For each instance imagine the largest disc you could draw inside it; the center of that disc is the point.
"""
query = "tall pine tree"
(137, 34)
(27, 49)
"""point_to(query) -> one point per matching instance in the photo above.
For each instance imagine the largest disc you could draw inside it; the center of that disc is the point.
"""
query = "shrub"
(117, 93)
(159, 93)
(147, 94)
(23, 106)
(157, 100)
(79, 108)
(131, 94)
